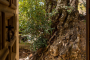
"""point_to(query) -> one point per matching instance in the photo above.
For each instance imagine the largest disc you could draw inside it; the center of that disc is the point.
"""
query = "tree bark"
(61, 18)
(64, 17)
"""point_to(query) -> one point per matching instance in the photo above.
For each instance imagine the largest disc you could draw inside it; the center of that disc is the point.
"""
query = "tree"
(64, 17)
(32, 20)
(65, 12)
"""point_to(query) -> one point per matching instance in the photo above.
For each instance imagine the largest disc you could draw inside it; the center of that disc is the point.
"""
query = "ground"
(24, 51)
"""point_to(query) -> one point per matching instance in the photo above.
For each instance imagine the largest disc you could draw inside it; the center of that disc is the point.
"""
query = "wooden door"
(8, 30)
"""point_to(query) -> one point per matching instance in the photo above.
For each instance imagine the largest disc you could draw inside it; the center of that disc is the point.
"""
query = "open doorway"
(48, 29)
(44, 23)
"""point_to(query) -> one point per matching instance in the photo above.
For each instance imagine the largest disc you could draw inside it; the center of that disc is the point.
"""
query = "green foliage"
(32, 20)
(82, 6)
(41, 42)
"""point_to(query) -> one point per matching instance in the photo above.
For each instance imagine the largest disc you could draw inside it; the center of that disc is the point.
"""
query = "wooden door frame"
(17, 30)
(87, 29)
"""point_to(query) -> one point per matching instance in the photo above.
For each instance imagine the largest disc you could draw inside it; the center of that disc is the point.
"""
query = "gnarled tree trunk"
(66, 35)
